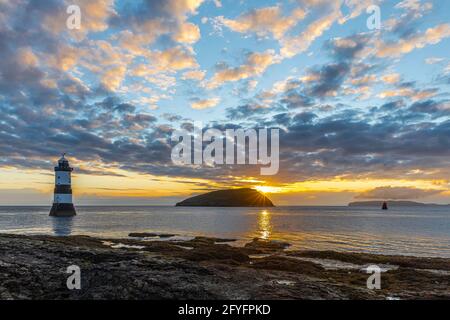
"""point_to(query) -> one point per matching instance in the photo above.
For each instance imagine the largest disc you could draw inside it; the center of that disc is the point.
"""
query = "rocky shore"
(144, 267)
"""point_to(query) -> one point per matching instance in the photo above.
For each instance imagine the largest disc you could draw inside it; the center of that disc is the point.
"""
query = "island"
(242, 197)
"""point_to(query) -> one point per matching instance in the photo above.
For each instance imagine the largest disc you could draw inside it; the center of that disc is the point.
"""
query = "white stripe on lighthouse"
(62, 178)
(62, 198)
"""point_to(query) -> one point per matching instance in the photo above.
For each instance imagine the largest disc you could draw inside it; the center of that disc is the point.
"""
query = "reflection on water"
(62, 226)
(264, 225)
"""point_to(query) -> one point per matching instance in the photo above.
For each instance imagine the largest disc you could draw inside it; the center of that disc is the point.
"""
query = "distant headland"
(394, 204)
(243, 197)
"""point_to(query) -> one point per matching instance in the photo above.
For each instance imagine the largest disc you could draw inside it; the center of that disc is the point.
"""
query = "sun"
(268, 189)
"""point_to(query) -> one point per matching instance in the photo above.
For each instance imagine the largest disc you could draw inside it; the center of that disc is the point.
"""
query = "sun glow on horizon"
(269, 189)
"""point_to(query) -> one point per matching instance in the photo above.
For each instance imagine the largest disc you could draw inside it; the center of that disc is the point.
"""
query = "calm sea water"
(407, 231)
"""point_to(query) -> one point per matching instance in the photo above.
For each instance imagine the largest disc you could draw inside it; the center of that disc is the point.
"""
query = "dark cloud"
(434, 108)
(360, 144)
(326, 80)
(405, 26)
(329, 79)
(346, 49)
(245, 111)
(293, 99)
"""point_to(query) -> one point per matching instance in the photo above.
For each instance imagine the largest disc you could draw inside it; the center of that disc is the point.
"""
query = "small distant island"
(243, 197)
(394, 204)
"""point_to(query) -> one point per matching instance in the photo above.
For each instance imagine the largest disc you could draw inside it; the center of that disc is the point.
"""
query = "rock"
(150, 235)
(213, 253)
(210, 240)
(244, 197)
(286, 264)
(263, 245)
(34, 267)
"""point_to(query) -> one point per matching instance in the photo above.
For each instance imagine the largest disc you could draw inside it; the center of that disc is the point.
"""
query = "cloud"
(26, 58)
(385, 142)
(357, 7)
(433, 60)
(293, 45)
(245, 111)
(95, 16)
(172, 59)
(434, 108)
(255, 64)
(295, 99)
(328, 79)
(188, 33)
(264, 21)
(194, 75)
(348, 48)
(145, 34)
(391, 78)
(65, 58)
(405, 24)
(201, 104)
(412, 93)
(414, 5)
(94, 94)
(113, 77)
(398, 48)
(396, 193)
(148, 20)
(139, 121)
(447, 69)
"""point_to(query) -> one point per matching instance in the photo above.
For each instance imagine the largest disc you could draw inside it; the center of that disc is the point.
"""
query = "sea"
(415, 231)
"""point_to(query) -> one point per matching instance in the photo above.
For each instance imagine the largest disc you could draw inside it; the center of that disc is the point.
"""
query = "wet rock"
(209, 240)
(286, 264)
(150, 235)
(364, 258)
(263, 245)
(215, 253)
(34, 267)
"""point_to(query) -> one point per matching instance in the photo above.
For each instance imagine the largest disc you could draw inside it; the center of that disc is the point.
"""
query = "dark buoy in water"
(62, 202)
(384, 207)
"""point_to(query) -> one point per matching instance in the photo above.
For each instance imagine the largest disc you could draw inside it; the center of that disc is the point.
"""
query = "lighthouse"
(62, 201)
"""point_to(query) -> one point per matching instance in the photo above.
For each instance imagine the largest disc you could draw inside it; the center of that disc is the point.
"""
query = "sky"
(363, 113)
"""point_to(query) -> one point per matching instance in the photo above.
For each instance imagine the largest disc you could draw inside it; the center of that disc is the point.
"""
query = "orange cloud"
(430, 36)
(255, 64)
(409, 92)
(194, 75)
(294, 45)
(391, 78)
(113, 77)
(175, 58)
(205, 103)
(187, 33)
(264, 21)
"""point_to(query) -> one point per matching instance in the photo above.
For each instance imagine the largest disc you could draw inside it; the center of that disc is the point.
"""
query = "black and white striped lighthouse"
(62, 201)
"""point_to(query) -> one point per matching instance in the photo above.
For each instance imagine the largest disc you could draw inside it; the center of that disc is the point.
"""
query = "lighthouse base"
(63, 210)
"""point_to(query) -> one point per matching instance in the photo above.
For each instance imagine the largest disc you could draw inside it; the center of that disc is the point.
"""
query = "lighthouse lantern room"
(62, 201)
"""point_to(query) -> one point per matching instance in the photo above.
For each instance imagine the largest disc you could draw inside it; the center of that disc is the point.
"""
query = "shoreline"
(34, 267)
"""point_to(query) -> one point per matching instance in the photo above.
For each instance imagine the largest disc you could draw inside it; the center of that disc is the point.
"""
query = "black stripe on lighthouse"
(63, 189)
